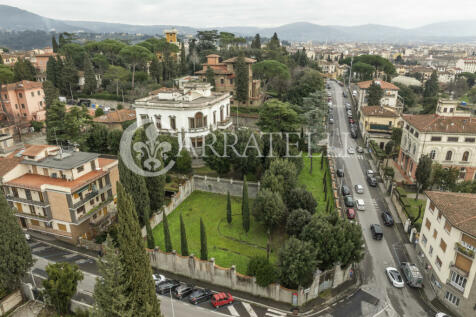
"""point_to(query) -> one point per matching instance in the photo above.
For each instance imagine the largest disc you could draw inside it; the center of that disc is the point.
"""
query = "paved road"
(45, 253)
(378, 297)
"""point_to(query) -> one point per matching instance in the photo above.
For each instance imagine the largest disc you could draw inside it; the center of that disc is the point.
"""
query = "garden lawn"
(313, 182)
(414, 205)
(227, 243)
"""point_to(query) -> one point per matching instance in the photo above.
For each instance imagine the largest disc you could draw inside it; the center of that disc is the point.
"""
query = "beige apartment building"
(376, 123)
(23, 101)
(448, 243)
(66, 194)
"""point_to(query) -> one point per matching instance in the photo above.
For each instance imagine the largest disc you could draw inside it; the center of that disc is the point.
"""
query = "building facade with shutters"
(448, 244)
(66, 194)
(448, 137)
(190, 111)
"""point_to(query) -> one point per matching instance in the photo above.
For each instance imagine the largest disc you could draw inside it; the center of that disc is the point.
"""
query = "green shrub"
(389, 172)
(266, 274)
(37, 125)
(254, 264)
(184, 162)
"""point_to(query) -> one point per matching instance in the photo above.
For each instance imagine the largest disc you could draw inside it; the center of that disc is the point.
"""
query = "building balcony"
(198, 130)
(224, 124)
(464, 250)
(93, 211)
(33, 216)
(27, 201)
(456, 286)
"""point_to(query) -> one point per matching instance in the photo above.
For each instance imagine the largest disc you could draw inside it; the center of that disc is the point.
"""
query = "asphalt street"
(377, 297)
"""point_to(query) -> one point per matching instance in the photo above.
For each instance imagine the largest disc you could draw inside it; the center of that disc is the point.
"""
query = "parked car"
(349, 115)
(345, 190)
(387, 218)
(353, 133)
(221, 299)
(351, 121)
(360, 204)
(167, 286)
(344, 94)
(329, 103)
(372, 181)
(200, 295)
(359, 189)
(331, 120)
(394, 277)
(360, 149)
(350, 213)
(340, 172)
(182, 291)
(350, 150)
(377, 232)
(370, 173)
(412, 274)
(158, 278)
(349, 201)
(441, 315)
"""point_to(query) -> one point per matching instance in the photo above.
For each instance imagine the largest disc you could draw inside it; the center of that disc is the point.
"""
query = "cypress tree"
(242, 79)
(51, 93)
(203, 242)
(245, 209)
(183, 60)
(110, 288)
(256, 43)
(150, 236)
(167, 240)
(90, 83)
(155, 188)
(54, 44)
(183, 238)
(16, 258)
(155, 69)
(228, 208)
(140, 294)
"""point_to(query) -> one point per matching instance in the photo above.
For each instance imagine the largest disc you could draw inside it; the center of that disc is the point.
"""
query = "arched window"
(465, 156)
(414, 148)
(432, 154)
(198, 120)
(449, 155)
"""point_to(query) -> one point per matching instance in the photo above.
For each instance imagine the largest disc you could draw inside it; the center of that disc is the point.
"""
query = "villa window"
(214, 117)
(432, 154)
(222, 81)
(452, 139)
(462, 173)
(452, 298)
(449, 155)
(172, 123)
(198, 120)
(158, 121)
(436, 138)
(465, 156)
(32, 94)
(191, 123)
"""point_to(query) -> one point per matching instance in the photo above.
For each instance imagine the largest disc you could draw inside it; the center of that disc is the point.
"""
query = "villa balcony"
(225, 124)
(464, 250)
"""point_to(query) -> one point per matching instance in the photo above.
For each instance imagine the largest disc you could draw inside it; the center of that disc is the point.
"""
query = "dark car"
(182, 291)
(200, 295)
(387, 218)
(345, 190)
(351, 121)
(372, 181)
(167, 286)
(353, 133)
(377, 232)
(340, 172)
(349, 201)
(344, 94)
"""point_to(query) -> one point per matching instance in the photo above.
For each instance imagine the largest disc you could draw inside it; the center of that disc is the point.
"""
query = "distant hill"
(16, 19)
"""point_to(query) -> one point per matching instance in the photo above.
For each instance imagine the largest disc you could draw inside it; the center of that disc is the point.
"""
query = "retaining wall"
(10, 301)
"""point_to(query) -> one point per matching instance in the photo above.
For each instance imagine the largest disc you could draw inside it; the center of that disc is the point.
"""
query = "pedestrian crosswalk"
(249, 309)
(233, 310)
(274, 313)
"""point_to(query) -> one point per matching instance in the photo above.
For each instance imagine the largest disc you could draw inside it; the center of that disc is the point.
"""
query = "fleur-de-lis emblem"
(151, 149)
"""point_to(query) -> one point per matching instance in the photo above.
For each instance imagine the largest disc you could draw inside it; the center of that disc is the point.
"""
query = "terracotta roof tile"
(34, 149)
(458, 208)
(26, 85)
(247, 60)
(442, 124)
(8, 163)
(116, 116)
(378, 111)
(385, 85)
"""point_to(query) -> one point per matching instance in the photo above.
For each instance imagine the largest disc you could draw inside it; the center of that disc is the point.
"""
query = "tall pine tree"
(54, 44)
(228, 208)
(167, 239)
(155, 69)
(110, 289)
(203, 242)
(256, 43)
(140, 294)
(245, 208)
(183, 60)
(51, 71)
(183, 238)
(16, 258)
(51, 93)
(242, 79)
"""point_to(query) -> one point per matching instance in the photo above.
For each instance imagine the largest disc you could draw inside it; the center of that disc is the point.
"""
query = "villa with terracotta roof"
(448, 137)
(225, 77)
(66, 194)
(447, 244)
(376, 123)
(390, 96)
(116, 119)
(23, 101)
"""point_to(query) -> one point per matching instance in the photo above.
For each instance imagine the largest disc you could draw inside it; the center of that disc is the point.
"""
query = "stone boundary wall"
(208, 271)
(215, 185)
(10, 301)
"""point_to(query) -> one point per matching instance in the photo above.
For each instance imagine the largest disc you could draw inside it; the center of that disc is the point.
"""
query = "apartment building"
(448, 137)
(23, 101)
(66, 194)
(376, 123)
(390, 95)
(448, 245)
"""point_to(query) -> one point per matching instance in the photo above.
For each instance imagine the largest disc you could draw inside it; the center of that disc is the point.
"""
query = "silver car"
(360, 204)
(359, 189)
(350, 150)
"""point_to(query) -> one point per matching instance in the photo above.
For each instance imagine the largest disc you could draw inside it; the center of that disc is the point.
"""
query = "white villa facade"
(191, 111)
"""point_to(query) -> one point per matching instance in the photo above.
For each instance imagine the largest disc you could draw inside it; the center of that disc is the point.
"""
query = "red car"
(350, 213)
(351, 121)
(221, 299)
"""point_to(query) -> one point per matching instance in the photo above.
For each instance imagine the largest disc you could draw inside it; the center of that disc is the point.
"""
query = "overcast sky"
(208, 13)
